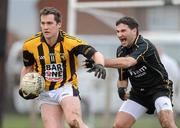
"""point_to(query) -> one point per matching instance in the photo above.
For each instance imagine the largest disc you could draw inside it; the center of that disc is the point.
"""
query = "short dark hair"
(131, 22)
(52, 10)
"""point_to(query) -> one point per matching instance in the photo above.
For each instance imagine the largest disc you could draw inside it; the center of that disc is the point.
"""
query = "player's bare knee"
(74, 123)
(166, 119)
(164, 123)
(120, 125)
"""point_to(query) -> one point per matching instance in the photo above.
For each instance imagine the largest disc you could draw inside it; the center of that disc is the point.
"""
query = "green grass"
(21, 121)
(24, 121)
(144, 122)
(151, 122)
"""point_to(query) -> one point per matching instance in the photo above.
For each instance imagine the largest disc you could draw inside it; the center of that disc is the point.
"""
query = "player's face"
(49, 26)
(126, 35)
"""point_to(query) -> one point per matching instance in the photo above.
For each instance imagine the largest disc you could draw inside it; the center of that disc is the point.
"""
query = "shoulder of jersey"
(33, 38)
(120, 48)
(69, 37)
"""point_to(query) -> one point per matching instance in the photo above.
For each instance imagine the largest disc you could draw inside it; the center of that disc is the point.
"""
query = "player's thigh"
(164, 109)
(128, 113)
(133, 108)
(52, 116)
(71, 107)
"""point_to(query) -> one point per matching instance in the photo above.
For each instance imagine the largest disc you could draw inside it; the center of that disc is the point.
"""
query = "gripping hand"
(89, 63)
(99, 70)
(122, 93)
(27, 97)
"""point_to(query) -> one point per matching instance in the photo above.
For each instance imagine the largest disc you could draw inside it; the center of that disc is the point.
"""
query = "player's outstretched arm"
(97, 66)
(120, 62)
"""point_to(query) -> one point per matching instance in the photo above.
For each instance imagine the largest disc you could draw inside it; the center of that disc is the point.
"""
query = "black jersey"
(149, 71)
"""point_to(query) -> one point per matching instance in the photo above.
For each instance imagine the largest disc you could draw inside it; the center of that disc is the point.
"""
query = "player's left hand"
(88, 63)
(27, 97)
(99, 70)
(122, 93)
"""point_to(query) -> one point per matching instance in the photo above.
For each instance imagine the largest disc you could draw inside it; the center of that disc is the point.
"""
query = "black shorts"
(147, 97)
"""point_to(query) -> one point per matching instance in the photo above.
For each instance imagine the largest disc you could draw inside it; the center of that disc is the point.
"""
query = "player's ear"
(59, 24)
(135, 31)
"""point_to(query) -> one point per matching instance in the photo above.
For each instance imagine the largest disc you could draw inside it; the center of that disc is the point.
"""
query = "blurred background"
(93, 21)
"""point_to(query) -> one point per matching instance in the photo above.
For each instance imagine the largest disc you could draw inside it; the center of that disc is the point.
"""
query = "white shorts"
(55, 96)
(136, 110)
(163, 103)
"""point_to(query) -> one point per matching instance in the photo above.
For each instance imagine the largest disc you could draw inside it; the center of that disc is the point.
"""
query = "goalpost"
(74, 6)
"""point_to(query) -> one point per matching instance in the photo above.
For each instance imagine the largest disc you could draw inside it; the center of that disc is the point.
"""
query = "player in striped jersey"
(53, 53)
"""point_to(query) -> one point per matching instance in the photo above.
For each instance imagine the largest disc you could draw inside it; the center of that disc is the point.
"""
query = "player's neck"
(51, 41)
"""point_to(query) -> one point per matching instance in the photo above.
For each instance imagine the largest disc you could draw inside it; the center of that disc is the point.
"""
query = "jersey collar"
(60, 37)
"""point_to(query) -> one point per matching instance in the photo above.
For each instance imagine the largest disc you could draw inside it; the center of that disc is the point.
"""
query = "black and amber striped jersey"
(58, 64)
(149, 71)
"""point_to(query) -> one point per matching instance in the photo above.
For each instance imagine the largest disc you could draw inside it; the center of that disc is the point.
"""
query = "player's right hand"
(27, 97)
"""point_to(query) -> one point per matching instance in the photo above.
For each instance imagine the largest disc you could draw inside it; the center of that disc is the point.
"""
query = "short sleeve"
(28, 58)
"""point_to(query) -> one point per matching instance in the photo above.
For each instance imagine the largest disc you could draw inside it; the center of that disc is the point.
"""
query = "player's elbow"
(130, 62)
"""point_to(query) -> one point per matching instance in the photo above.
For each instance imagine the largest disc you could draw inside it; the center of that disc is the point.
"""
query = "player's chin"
(47, 35)
(124, 44)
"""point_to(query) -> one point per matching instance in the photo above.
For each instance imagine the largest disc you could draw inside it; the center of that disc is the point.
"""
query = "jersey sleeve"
(83, 48)
(86, 50)
(140, 51)
(28, 58)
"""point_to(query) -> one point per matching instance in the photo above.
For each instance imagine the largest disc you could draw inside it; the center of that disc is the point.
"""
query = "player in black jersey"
(53, 54)
(138, 61)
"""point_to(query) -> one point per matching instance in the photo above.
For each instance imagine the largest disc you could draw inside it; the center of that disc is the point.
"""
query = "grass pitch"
(25, 121)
